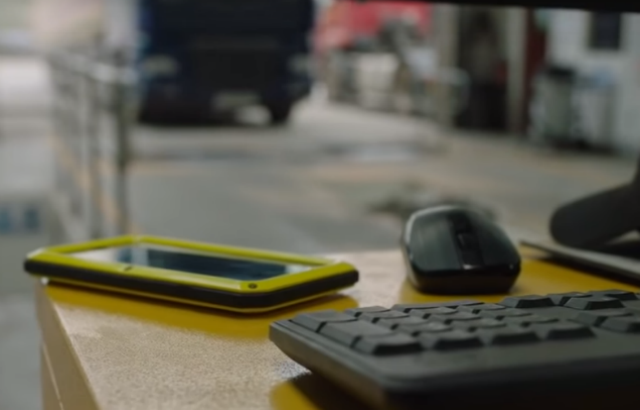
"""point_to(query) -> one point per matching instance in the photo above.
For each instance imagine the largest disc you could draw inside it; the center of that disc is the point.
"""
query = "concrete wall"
(120, 23)
(568, 45)
(14, 14)
(14, 26)
(58, 23)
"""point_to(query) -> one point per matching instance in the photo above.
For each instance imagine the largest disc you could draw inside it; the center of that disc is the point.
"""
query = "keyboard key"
(527, 302)
(508, 336)
(398, 343)
(431, 327)
(484, 323)
(594, 303)
(616, 294)
(407, 308)
(348, 333)
(529, 320)
(481, 308)
(633, 308)
(314, 321)
(371, 309)
(426, 313)
(375, 316)
(393, 323)
(458, 316)
(561, 298)
(564, 331)
(455, 339)
(622, 324)
(596, 317)
(501, 314)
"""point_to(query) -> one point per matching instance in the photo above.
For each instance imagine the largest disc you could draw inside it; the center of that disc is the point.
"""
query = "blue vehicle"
(198, 58)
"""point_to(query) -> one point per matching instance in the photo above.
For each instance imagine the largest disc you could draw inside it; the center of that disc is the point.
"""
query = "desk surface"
(110, 352)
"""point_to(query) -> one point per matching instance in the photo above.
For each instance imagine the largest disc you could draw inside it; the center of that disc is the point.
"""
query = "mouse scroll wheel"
(470, 250)
(468, 242)
(460, 224)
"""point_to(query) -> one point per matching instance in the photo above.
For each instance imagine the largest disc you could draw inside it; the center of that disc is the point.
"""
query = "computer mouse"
(454, 250)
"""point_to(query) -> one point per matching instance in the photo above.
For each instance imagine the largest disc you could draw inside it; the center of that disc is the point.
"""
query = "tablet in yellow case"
(224, 277)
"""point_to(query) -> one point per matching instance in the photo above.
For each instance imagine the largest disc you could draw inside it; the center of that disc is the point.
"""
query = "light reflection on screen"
(202, 263)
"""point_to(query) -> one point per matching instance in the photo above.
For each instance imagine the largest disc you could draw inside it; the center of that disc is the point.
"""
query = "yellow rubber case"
(324, 276)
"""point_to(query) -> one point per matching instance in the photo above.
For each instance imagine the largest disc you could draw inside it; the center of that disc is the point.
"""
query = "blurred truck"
(196, 58)
(220, 55)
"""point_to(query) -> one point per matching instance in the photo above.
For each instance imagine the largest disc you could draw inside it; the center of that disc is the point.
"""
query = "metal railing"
(93, 106)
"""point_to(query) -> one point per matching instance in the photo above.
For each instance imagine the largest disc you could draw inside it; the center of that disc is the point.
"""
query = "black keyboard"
(415, 355)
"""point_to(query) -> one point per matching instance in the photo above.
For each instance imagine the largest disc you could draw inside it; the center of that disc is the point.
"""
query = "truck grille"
(236, 66)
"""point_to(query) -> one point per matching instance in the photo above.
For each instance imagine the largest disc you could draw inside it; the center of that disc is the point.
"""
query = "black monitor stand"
(598, 219)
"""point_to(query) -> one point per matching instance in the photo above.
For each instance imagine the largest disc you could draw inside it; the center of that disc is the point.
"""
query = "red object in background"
(344, 22)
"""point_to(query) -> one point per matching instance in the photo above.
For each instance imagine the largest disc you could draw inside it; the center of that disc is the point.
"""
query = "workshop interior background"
(317, 127)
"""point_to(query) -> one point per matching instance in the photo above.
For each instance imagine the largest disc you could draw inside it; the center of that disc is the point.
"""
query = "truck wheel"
(279, 113)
